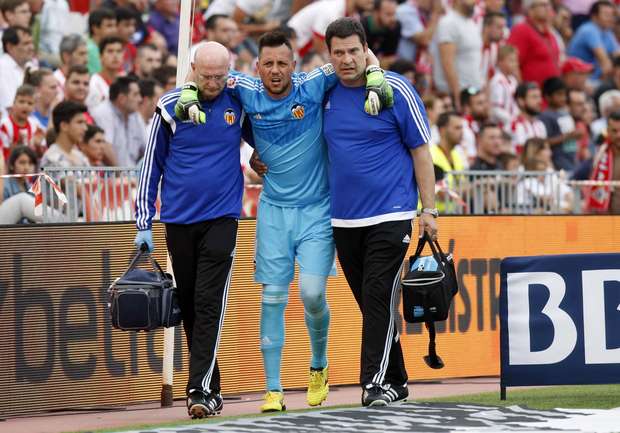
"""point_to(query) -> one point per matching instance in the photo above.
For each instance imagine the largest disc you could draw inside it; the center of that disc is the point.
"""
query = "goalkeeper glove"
(379, 93)
(188, 106)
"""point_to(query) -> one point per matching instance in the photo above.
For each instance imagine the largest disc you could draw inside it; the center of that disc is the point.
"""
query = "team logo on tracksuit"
(230, 116)
(298, 111)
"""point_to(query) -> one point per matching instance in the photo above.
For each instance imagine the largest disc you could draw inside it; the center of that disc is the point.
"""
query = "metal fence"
(108, 194)
(93, 194)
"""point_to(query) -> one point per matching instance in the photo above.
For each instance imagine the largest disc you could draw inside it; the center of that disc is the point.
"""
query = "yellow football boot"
(318, 388)
(274, 402)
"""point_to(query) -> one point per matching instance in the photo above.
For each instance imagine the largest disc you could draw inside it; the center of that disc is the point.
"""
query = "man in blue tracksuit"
(201, 191)
(293, 222)
(377, 164)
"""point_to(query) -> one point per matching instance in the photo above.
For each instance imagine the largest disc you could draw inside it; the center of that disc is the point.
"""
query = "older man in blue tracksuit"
(201, 191)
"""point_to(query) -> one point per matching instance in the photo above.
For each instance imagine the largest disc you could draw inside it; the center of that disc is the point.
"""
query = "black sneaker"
(373, 395)
(215, 403)
(396, 393)
(197, 404)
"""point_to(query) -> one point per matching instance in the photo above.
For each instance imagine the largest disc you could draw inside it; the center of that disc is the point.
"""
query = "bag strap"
(432, 359)
(139, 254)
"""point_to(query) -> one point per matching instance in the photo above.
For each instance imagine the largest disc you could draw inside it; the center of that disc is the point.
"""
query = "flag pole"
(183, 62)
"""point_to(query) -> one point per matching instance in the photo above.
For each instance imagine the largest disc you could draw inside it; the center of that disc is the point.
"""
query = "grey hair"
(70, 43)
(607, 101)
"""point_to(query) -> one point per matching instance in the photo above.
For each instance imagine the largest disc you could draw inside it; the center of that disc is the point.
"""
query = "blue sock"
(274, 301)
(316, 312)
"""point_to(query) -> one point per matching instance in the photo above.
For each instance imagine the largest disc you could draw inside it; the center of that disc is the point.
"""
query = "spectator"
(70, 126)
(101, 24)
(503, 86)
(311, 61)
(608, 103)
(383, 31)
(22, 161)
(311, 22)
(539, 54)
(111, 49)
(166, 76)
(493, 29)
(255, 17)
(445, 155)
(561, 133)
(418, 20)
(575, 73)
(457, 51)
(539, 194)
(73, 51)
(577, 107)
(164, 18)
(489, 148)
(405, 68)
(612, 83)
(222, 29)
(20, 128)
(16, 202)
(148, 59)
(126, 28)
(579, 10)
(434, 106)
(606, 167)
(526, 125)
(475, 107)
(562, 25)
(76, 86)
(595, 42)
(18, 54)
(16, 13)
(46, 94)
(151, 91)
(93, 146)
(52, 28)
(121, 121)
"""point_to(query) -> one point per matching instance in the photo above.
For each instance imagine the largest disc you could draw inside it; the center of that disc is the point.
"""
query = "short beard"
(531, 112)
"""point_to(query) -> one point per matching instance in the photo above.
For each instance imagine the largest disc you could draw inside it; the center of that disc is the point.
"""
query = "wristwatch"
(431, 211)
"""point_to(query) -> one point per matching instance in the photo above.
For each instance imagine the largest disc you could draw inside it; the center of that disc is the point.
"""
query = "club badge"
(230, 116)
(298, 111)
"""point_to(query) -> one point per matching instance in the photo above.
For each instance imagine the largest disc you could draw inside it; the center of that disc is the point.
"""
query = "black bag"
(144, 300)
(428, 289)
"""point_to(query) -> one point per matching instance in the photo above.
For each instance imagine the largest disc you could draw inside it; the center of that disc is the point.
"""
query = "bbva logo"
(565, 332)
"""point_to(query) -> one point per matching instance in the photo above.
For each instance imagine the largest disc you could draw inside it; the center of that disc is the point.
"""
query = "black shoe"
(215, 403)
(197, 404)
(396, 393)
(373, 395)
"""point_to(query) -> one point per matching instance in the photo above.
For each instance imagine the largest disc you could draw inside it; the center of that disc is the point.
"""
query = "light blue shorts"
(286, 234)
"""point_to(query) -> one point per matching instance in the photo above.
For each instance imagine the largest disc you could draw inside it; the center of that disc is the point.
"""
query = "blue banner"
(560, 320)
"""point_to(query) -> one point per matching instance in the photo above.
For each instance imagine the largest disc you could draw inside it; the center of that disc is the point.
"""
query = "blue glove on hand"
(144, 237)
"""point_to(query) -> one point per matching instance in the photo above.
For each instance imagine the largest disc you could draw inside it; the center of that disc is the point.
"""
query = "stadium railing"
(107, 194)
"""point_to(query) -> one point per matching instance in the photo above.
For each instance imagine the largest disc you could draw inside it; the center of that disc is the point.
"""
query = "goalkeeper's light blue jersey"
(288, 135)
(372, 178)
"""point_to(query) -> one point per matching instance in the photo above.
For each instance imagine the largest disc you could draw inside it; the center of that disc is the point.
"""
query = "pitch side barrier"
(559, 320)
(108, 194)
(57, 340)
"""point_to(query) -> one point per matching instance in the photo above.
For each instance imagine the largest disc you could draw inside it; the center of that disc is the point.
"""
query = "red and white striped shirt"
(489, 60)
(13, 134)
(523, 128)
(504, 108)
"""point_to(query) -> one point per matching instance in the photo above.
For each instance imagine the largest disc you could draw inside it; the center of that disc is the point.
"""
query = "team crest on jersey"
(230, 116)
(231, 83)
(298, 111)
(257, 116)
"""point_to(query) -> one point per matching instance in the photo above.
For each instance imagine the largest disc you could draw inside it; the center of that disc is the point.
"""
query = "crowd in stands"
(507, 84)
